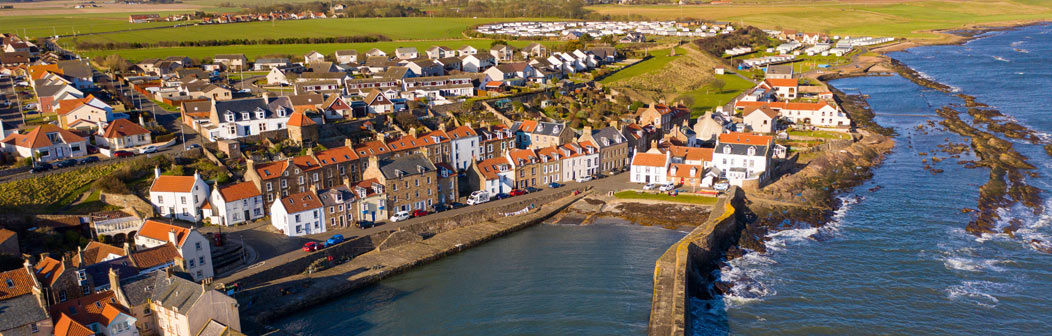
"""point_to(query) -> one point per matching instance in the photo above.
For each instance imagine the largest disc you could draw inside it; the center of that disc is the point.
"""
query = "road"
(274, 248)
(10, 114)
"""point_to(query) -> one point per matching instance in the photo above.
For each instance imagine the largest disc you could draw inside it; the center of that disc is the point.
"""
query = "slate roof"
(607, 137)
(75, 68)
(138, 290)
(413, 164)
(237, 106)
(173, 292)
(539, 127)
(49, 90)
(328, 197)
(780, 69)
(95, 252)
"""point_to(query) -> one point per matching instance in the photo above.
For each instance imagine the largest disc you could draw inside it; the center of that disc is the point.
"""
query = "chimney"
(381, 137)
(314, 189)
(197, 176)
(115, 286)
(172, 237)
(442, 127)
(615, 124)
(587, 131)
(168, 270)
(266, 96)
(374, 161)
(250, 164)
(412, 132)
(347, 182)
(310, 152)
(80, 256)
(156, 171)
(128, 250)
(29, 268)
(348, 142)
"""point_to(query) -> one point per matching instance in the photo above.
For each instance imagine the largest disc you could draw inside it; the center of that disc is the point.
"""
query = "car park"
(87, 160)
(335, 239)
(66, 163)
(649, 186)
(311, 247)
(400, 216)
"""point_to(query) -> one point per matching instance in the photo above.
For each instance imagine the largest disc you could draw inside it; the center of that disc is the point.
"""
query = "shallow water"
(900, 261)
(545, 280)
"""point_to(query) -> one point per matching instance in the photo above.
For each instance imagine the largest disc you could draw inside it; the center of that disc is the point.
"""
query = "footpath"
(283, 296)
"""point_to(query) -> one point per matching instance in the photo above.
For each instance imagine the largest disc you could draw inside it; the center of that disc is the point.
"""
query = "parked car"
(517, 192)
(554, 185)
(66, 163)
(335, 239)
(722, 185)
(649, 186)
(87, 160)
(439, 208)
(244, 91)
(40, 167)
(122, 154)
(420, 213)
(366, 224)
(584, 179)
(668, 187)
(400, 216)
(457, 205)
(532, 190)
(192, 146)
(501, 196)
(30, 106)
(311, 246)
(148, 149)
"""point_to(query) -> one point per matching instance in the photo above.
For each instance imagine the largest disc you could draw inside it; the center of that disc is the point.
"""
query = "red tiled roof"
(371, 148)
(773, 82)
(155, 256)
(490, 168)
(299, 119)
(48, 270)
(86, 310)
(745, 139)
(167, 183)
(692, 153)
(524, 155)
(461, 132)
(301, 202)
(122, 128)
(23, 283)
(682, 170)
(5, 234)
(761, 109)
(159, 231)
(239, 191)
(111, 311)
(66, 326)
(649, 160)
(68, 105)
(37, 138)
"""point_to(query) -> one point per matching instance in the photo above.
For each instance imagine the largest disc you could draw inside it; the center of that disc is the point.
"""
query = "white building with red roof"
(193, 247)
(298, 214)
(650, 167)
(579, 160)
(47, 143)
(464, 142)
(180, 197)
(743, 156)
(123, 134)
(783, 88)
(494, 176)
(236, 203)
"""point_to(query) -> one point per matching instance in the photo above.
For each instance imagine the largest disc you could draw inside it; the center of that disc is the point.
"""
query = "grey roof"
(377, 61)
(174, 292)
(49, 90)
(543, 128)
(328, 197)
(396, 72)
(740, 149)
(100, 272)
(281, 101)
(603, 52)
(413, 164)
(21, 310)
(346, 52)
(608, 136)
(405, 50)
(483, 56)
(75, 68)
(449, 60)
(780, 69)
(138, 289)
(272, 60)
(237, 106)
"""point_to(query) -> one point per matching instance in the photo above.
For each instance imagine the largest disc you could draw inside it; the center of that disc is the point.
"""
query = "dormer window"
(726, 149)
(245, 116)
(752, 151)
(281, 111)
(259, 114)
(230, 116)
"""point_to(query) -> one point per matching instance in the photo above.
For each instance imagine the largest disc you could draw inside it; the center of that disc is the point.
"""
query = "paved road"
(10, 114)
(276, 249)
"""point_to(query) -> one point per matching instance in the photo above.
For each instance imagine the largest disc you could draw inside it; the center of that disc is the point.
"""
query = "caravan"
(478, 197)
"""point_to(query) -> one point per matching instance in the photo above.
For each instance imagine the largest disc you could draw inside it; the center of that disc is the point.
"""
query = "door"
(246, 215)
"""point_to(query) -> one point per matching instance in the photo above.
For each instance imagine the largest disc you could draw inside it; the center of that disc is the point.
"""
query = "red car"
(311, 247)
(121, 154)
(420, 213)
(517, 192)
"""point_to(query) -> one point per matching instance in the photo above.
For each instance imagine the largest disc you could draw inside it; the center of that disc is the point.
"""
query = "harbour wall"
(681, 272)
(280, 297)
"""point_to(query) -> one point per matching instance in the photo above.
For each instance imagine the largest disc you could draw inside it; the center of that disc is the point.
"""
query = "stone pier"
(681, 271)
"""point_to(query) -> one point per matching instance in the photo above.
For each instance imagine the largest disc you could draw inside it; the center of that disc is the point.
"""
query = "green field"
(707, 98)
(414, 28)
(253, 51)
(913, 19)
(69, 24)
(681, 198)
(659, 60)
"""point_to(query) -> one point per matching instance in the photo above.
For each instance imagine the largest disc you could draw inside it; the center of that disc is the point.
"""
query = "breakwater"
(283, 296)
(683, 270)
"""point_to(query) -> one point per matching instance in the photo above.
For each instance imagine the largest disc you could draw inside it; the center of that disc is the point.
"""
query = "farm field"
(69, 24)
(911, 19)
(412, 28)
(254, 51)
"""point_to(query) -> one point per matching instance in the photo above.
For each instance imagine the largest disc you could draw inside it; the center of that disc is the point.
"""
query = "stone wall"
(131, 203)
(680, 272)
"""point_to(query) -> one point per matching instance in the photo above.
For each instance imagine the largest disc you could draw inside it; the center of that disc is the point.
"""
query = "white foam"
(999, 58)
(975, 292)
(1016, 43)
(973, 264)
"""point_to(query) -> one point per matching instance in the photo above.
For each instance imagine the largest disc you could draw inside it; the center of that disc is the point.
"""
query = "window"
(198, 274)
(159, 199)
(62, 295)
(297, 219)
(34, 328)
(191, 263)
(315, 214)
(201, 260)
(182, 199)
(269, 187)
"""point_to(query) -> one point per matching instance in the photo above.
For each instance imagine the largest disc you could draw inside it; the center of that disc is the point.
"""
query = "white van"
(478, 197)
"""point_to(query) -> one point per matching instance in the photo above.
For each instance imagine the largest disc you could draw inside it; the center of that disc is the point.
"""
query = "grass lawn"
(658, 61)
(821, 134)
(412, 28)
(254, 51)
(692, 199)
(910, 19)
(707, 98)
(69, 24)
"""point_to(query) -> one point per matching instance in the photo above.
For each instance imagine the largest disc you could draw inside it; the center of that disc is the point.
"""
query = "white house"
(467, 50)
(193, 247)
(477, 62)
(465, 146)
(232, 119)
(406, 53)
(178, 196)
(346, 56)
(123, 134)
(819, 114)
(650, 167)
(236, 203)
(312, 57)
(743, 156)
(496, 175)
(298, 214)
(579, 161)
(46, 142)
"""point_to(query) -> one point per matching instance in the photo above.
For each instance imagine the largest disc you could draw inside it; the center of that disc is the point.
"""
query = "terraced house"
(411, 181)
(527, 167)
(25, 309)
(238, 118)
(323, 170)
(613, 147)
(494, 140)
(539, 134)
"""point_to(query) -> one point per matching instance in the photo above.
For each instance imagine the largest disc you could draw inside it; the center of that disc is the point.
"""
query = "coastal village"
(324, 148)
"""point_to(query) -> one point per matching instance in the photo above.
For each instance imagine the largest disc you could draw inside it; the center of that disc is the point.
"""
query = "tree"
(718, 84)
(498, 42)
(608, 39)
(586, 38)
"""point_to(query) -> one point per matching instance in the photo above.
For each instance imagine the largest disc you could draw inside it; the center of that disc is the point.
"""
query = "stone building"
(302, 130)
(613, 147)
(410, 181)
(527, 168)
